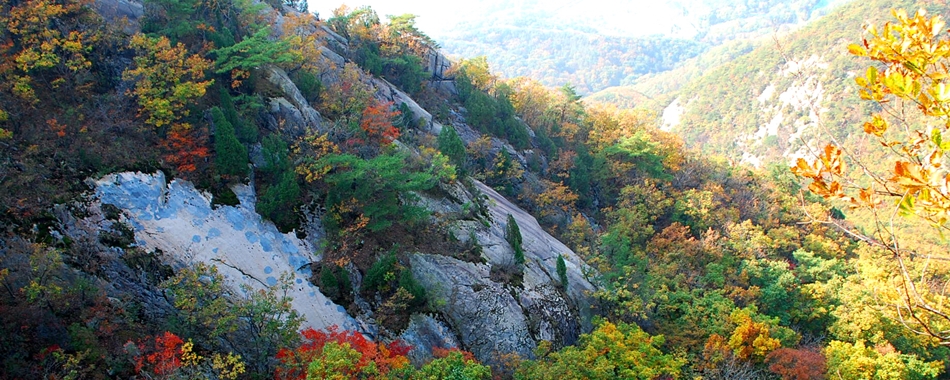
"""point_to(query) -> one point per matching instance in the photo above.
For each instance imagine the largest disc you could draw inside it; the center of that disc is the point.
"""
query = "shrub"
(379, 275)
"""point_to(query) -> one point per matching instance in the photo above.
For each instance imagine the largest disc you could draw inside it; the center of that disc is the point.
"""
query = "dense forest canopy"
(345, 132)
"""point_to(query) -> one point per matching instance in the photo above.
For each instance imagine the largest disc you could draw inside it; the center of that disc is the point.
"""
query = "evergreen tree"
(230, 154)
(562, 270)
(382, 187)
(245, 131)
(276, 155)
(580, 176)
(451, 145)
(278, 202)
(513, 235)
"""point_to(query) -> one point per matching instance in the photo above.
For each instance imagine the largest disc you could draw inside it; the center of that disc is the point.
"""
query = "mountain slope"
(768, 104)
(608, 44)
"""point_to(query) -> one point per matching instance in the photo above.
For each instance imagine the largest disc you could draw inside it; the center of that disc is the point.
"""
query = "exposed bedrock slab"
(179, 220)
(492, 318)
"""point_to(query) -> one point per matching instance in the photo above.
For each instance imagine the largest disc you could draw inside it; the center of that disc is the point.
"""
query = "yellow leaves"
(877, 126)
(823, 172)
(38, 28)
(228, 367)
(900, 85)
(166, 78)
(908, 81)
(857, 50)
(555, 197)
(803, 169)
(314, 147)
(750, 340)
(936, 158)
(306, 40)
(910, 176)
(188, 355)
(940, 93)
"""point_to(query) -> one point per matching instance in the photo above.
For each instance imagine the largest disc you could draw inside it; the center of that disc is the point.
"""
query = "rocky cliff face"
(483, 315)
(181, 222)
(494, 317)
(474, 307)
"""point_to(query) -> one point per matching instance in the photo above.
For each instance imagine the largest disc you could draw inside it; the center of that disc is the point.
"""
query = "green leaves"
(609, 352)
(451, 145)
(379, 189)
(513, 236)
(253, 52)
(230, 155)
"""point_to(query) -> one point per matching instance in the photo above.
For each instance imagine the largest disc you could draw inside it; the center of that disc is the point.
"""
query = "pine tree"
(513, 235)
(451, 145)
(562, 271)
(279, 201)
(246, 132)
(230, 154)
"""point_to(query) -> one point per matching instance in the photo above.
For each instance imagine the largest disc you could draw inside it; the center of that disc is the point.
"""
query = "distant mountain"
(606, 44)
(766, 101)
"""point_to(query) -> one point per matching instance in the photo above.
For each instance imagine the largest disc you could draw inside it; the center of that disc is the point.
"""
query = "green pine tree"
(230, 154)
(451, 145)
(513, 235)
(562, 271)
(246, 132)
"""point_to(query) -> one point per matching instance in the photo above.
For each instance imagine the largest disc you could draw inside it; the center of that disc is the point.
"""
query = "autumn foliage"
(377, 122)
(167, 79)
(796, 364)
(185, 147)
(384, 357)
(161, 355)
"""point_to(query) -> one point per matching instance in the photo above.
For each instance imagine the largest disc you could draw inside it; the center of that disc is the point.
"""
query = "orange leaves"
(907, 80)
(439, 353)
(910, 176)
(796, 364)
(56, 127)
(186, 147)
(750, 340)
(556, 197)
(823, 172)
(831, 160)
(306, 39)
(376, 122)
(877, 126)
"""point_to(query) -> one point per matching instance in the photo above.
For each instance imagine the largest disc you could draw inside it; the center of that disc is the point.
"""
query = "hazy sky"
(631, 17)
(433, 19)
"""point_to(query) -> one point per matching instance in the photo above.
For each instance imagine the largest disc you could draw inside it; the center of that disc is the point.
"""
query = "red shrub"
(796, 364)
(294, 362)
(160, 356)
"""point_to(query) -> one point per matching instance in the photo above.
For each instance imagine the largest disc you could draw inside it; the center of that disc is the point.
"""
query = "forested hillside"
(558, 43)
(236, 189)
(777, 95)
